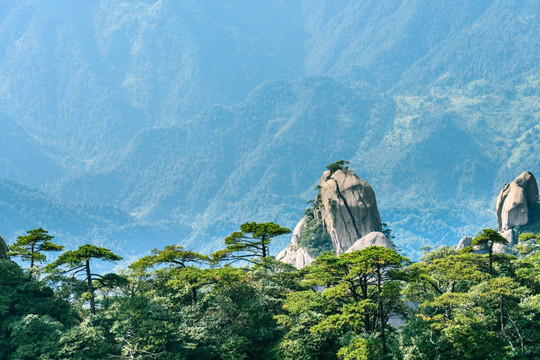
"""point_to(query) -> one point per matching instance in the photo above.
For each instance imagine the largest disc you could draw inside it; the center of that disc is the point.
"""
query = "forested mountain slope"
(205, 115)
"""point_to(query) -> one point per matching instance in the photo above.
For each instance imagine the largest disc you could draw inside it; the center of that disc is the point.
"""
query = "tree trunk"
(364, 287)
(264, 251)
(193, 295)
(90, 288)
(491, 258)
(32, 256)
(381, 311)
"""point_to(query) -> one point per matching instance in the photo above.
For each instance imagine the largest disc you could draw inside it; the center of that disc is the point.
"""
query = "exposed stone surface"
(3, 249)
(294, 254)
(374, 238)
(515, 201)
(464, 242)
(298, 257)
(509, 235)
(349, 208)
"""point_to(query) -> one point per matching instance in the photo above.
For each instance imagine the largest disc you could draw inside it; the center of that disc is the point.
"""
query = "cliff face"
(349, 208)
(294, 254)
(344, 214)
(516, 202)
(517, 205)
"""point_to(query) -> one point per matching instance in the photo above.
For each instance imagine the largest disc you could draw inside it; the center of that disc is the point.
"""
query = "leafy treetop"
(250, 242)
(84, 253)
(488, 238)
(338, 165)
(30, 247)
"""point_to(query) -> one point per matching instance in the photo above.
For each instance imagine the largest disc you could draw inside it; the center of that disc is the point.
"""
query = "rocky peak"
(516, 202)
(344, 212)
(348, 208)
(3, 250)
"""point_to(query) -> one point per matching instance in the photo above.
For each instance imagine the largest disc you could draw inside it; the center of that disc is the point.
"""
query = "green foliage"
(30, 247)
(250, 243)
(359, 293)
(468, 312)
(171, 255)
(30, 315)
(529, 243)
(175, 304)
(78, 261)
(338, 165)
(487, 239)
(315, 239)
(35, 337)
(87, 252)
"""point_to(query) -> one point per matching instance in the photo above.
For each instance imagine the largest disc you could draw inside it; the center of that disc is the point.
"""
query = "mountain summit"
(343, 216)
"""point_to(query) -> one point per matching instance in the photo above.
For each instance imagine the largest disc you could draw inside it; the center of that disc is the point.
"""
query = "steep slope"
(84, 77)
(410, 46)
(22, 157)
(117, 99)
(246, 162)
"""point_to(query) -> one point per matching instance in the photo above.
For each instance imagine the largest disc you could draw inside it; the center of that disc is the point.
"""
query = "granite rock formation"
(349, 208)
(516, 201)
(516, 206)
(294, 254)
(374, 238)
(346, 209)
(464, 242)
(3, 250)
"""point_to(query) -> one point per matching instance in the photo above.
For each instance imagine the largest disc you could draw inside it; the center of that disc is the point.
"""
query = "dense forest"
(240, 303)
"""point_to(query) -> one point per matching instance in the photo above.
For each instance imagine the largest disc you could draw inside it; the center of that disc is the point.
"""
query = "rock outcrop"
(349, 208)
(516, 201)
(346, 210)
(516, 206)
(374, 238)
(512, 239)
(294, 254)
(464, 242)
(3, 250)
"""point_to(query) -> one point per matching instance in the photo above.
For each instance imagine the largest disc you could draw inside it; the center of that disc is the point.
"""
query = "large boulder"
(349, 208)
(511, 237)
(346, 210)
(464, 242)
(516, 201)
(294, 254)
(3, 250)
(374, 238)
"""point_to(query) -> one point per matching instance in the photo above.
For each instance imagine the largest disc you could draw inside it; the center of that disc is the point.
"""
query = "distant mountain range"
(172, 121)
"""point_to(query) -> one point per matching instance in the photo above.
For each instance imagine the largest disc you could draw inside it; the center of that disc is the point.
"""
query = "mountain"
(23, 158)
(73, 224)
(251, 161)
(84, 77)
(201, 116)
(410, 46)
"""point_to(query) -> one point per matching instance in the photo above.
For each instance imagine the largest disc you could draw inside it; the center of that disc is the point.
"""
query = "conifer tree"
(30, 247)
(79, 260)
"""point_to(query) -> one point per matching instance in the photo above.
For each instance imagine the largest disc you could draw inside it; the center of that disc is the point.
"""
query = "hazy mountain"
(73, 224)
(248, 161)
(411, 46)
(22, 157)
(189, 118)
(84, 77)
